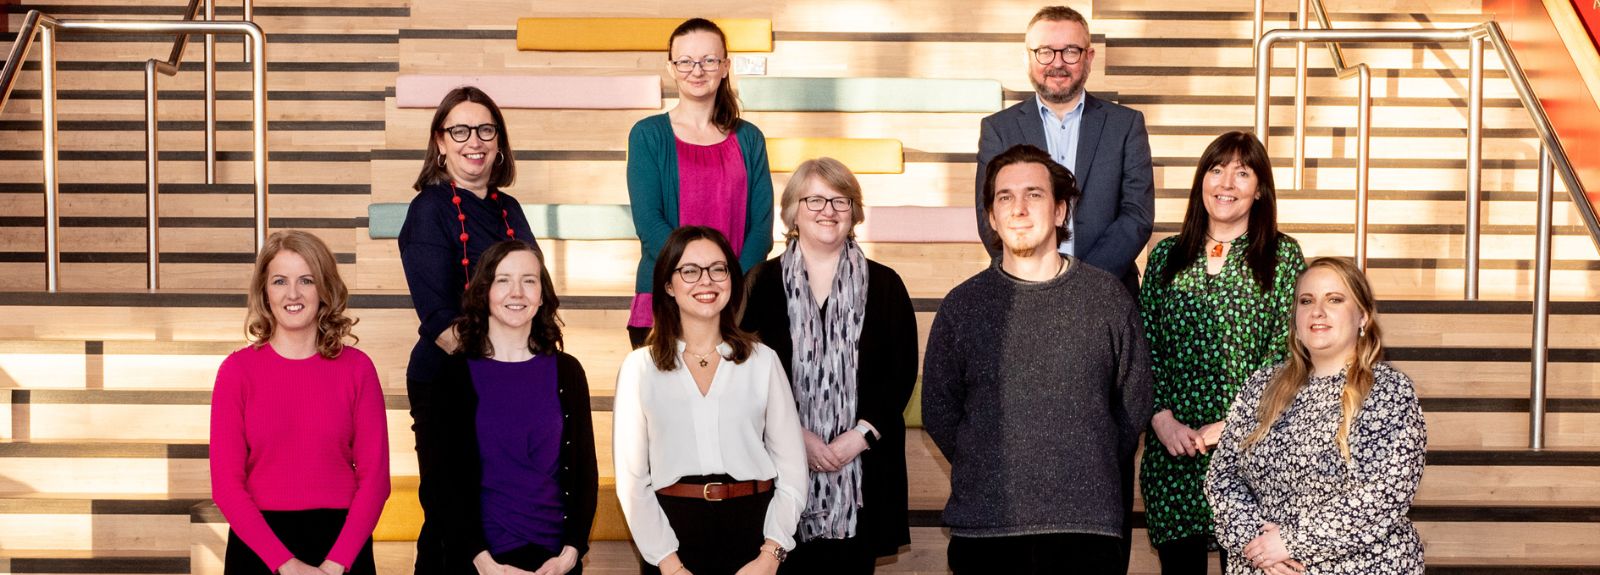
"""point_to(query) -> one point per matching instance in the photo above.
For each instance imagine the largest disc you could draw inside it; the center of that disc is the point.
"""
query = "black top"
(445, 413)
(885, 377)
(430, 251)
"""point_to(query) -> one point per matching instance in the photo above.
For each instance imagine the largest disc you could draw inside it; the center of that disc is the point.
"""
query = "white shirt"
(746, 426)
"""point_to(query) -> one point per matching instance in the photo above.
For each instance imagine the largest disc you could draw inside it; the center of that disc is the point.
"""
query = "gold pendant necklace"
(700, 357)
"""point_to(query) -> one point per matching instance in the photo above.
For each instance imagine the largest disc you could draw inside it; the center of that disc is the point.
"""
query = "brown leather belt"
(716, 491)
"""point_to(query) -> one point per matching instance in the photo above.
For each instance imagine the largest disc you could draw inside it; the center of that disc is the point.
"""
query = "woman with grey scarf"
(846, 333)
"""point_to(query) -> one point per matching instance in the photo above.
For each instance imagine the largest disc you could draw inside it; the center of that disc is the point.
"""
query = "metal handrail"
(1553, 158)
(46, 27)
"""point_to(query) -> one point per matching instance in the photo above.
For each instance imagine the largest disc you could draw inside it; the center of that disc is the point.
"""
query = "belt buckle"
(705, 492)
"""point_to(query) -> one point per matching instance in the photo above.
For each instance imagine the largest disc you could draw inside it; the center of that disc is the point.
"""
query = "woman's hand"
(331, 568)
(819, 456)
(1179, 439)
(848, 446)
(764, 564)
(560, 564)
(298, 567)
(449, 342)
(1210, 434)
(486, 565)
(1268, 552)
(672, 565)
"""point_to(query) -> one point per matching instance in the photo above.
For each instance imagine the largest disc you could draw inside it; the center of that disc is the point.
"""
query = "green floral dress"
(1207, 334)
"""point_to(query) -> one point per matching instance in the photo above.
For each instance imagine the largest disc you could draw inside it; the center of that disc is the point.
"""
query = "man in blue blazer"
(1104, 145)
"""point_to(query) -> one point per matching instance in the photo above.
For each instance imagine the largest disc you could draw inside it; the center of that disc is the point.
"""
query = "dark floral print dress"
(1336, 516)
(1207, 334)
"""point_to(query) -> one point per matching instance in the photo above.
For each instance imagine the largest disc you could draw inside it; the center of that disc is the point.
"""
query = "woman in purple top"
(459, 211)
(698, 164)
(521, 483)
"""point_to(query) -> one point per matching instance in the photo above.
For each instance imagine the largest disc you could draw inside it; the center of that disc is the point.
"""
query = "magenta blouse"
(711, 192)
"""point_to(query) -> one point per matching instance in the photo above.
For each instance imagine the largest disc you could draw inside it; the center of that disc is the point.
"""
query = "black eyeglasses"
(709, 64)
(815, 203)
(1045, 55)
(691, 272)
(460, 132)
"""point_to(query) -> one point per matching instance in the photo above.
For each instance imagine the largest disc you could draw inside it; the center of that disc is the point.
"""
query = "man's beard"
(1067, 95)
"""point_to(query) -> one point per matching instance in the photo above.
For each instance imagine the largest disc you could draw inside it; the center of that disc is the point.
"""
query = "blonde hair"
(1280, 392)
(333, 326)
(835, 175)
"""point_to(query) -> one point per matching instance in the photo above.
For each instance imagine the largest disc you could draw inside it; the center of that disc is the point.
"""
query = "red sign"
(1589, 12)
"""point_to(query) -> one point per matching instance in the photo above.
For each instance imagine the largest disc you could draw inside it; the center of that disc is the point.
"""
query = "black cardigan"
(447, 451)
(885, 377)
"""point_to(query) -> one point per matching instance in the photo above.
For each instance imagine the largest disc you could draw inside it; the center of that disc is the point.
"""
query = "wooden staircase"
(103, 438)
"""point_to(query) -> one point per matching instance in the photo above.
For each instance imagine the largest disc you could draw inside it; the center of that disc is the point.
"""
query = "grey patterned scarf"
(824, 380)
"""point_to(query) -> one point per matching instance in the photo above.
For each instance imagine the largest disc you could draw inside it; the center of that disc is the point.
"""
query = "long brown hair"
(663, 340)
(725, 111)
(433, 170)
(333, 326)
(1262, 254)
(472, 328)
(1285, 384)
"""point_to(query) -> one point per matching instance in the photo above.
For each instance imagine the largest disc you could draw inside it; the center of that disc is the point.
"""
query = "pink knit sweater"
(290, 435)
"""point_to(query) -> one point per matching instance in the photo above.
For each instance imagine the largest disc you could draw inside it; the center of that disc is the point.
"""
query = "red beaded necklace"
(505, 217)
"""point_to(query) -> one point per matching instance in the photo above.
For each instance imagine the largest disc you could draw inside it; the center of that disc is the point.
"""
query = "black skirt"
(308, 534)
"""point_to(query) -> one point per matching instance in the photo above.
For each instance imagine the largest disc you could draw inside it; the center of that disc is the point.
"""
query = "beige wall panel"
(362, 81)
(108, 475)
(1389, 212)
(1180, 175)
(1179, 83)
(228, 172)
(1499, 379)
(1451, 430)
(1450, 57)
(86, 532)
(42, 364)
(1341, 115)
(1352, 7)
(1509, 485)
(1549, 542)
(280, 51)
(194, 110)
(171, 140)
(1383, 147)
(946, 16)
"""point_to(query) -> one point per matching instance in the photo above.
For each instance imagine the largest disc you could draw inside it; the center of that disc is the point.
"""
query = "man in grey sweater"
(1036, 386)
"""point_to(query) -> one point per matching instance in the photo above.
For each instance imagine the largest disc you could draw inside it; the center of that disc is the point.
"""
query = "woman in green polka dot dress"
(1216, 308)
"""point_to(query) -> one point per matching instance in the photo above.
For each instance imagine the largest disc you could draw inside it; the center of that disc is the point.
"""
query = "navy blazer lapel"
(1089, 128)
(1032, 125)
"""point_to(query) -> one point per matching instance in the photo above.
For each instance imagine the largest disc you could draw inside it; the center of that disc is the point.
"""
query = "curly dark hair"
(472, 328)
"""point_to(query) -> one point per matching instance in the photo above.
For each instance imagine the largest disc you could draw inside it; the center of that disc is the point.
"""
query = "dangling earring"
(1361, 331)
(441, 160)
(499, 159)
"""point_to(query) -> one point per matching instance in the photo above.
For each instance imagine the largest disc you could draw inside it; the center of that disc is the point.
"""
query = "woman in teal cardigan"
(697, 164)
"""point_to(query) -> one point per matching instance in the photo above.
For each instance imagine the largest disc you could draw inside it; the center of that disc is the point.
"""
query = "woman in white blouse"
(711, 467)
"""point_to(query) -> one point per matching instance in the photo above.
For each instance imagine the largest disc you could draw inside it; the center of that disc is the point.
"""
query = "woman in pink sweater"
(299, 445)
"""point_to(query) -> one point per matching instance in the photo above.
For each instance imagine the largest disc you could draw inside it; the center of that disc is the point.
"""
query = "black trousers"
(531, 557)
(830, 557)
(308, 534)
(1188, 556)
(1051, 553)
(715, 537)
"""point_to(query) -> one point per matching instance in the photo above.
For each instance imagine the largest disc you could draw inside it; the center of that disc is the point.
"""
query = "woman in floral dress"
(1322, 454)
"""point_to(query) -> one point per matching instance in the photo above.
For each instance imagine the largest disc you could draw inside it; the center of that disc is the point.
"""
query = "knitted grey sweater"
(1037, 393)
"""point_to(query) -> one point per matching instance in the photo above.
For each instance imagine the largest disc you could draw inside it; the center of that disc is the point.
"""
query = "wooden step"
(103, 524)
